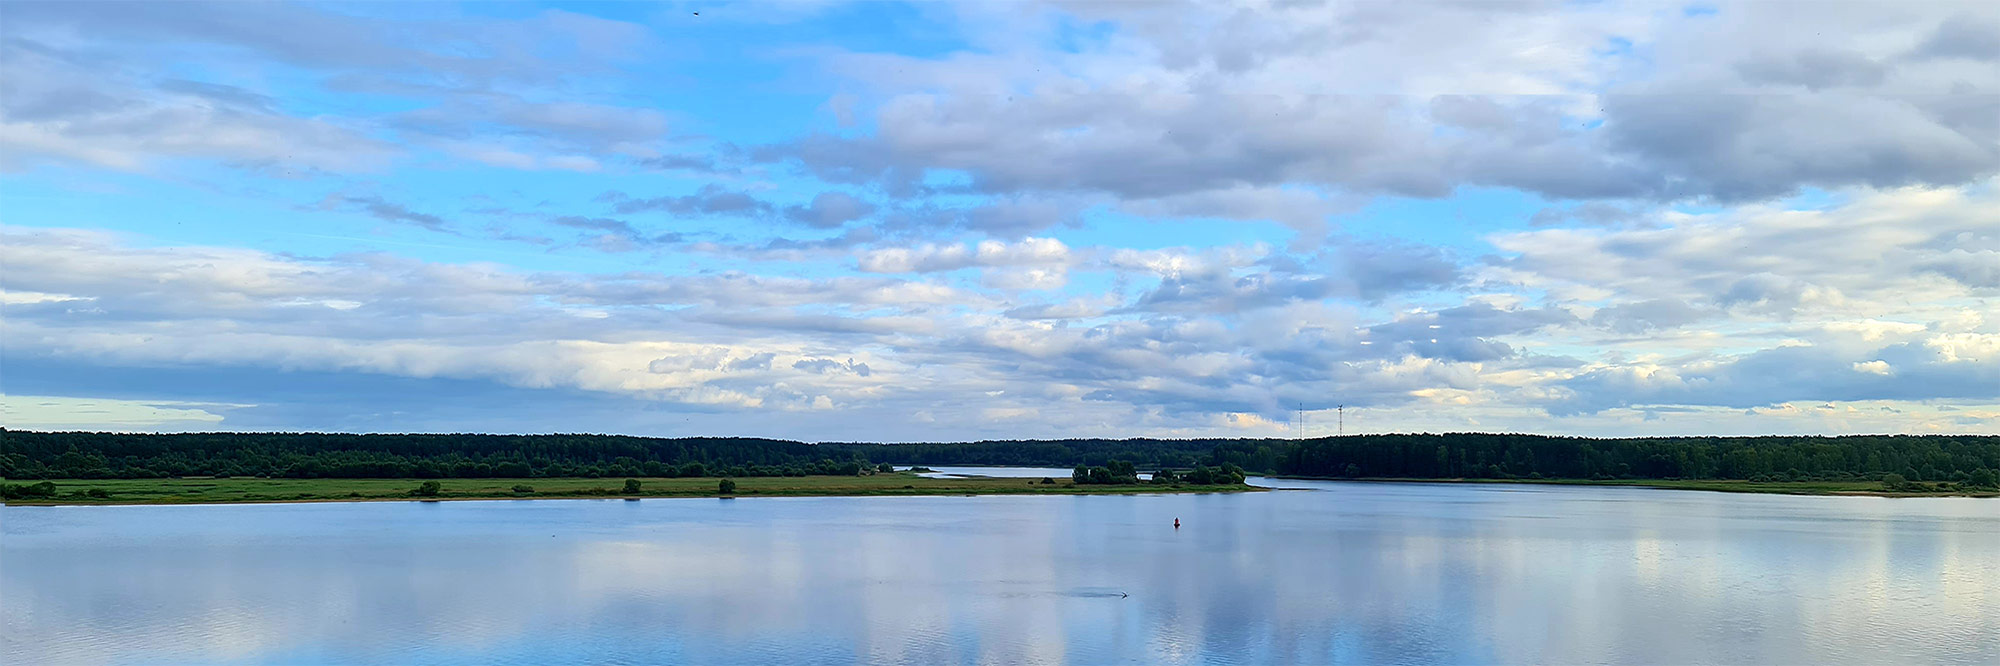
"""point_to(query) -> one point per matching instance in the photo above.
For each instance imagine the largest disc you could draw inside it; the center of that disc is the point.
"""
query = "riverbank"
(237, 490)
(1852, 488)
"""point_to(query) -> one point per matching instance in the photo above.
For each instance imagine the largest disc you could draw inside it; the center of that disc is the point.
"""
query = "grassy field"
(1857, 487)
(243, 489)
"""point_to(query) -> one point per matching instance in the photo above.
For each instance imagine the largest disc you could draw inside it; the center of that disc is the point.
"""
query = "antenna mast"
(1342, 411)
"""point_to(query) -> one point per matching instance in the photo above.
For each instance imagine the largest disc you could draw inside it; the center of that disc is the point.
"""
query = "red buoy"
(1177, 523)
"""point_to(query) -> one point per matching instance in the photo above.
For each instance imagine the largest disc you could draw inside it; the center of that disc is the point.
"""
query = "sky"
(880, 221)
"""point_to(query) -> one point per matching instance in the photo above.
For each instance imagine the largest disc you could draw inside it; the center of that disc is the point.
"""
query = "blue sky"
(890, 221)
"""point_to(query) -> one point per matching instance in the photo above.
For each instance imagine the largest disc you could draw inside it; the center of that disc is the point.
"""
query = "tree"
(1983, 478)
(1081, 474)
(726, 487)
(428, 489)
(631, 486)
(885, 468)
(1894, 481)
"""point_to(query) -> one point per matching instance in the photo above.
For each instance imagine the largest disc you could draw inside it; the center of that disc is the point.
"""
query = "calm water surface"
(1333, 573)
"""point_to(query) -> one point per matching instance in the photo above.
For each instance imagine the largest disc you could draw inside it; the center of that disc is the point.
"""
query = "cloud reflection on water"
(1354, 572)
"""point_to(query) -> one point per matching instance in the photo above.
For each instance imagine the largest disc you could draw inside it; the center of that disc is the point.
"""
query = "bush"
(631, 486)
(524, 489)
(726, 487)
(885, 468)
(428, 489)
(99, 493)
(1894, 481)
(1046, 481)
(28, 491)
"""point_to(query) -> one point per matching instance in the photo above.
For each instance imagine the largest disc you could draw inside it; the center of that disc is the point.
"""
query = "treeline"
(40, 455)
(1916, 458)
(86, 455)
(1145, 453)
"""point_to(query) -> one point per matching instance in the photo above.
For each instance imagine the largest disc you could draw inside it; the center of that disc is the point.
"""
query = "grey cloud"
(454, 71)
(1463, 333)
(1976, 269)
(615, 235)
(1965, 36)
(1647, 316)
(1787, 374)
(1738, 147)
(82, 109)
(721, 160)
(1135, 145)
(468, 48)
(829, 210)
(709, 200)
(1797, 110)
(1595, 213)
(383, 209)
(1349, 270)
(753, 362)
(1814, 69)
(1766, 291)
(1004, 216)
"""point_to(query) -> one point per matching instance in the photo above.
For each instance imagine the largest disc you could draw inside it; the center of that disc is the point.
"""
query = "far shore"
(251, 490)
(1857, 488)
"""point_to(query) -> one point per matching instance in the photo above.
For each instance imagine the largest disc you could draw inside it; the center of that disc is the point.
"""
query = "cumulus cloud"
(1418, 101)
(821, 366)
(1189, 218)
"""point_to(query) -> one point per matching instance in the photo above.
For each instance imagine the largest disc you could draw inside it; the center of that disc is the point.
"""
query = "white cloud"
(44, 412)
(929, 258)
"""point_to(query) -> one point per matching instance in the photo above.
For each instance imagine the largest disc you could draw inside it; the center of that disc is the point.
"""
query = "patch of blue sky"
(1076, 36)
(1458, 223)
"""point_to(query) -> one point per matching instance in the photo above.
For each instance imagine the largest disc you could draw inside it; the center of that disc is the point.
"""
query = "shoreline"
(1855, 488)
(195, 491)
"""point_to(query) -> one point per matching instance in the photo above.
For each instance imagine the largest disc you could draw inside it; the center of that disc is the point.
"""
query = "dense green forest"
(37, 455)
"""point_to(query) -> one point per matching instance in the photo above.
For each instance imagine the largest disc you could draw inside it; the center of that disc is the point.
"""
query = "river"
(1327, 572)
